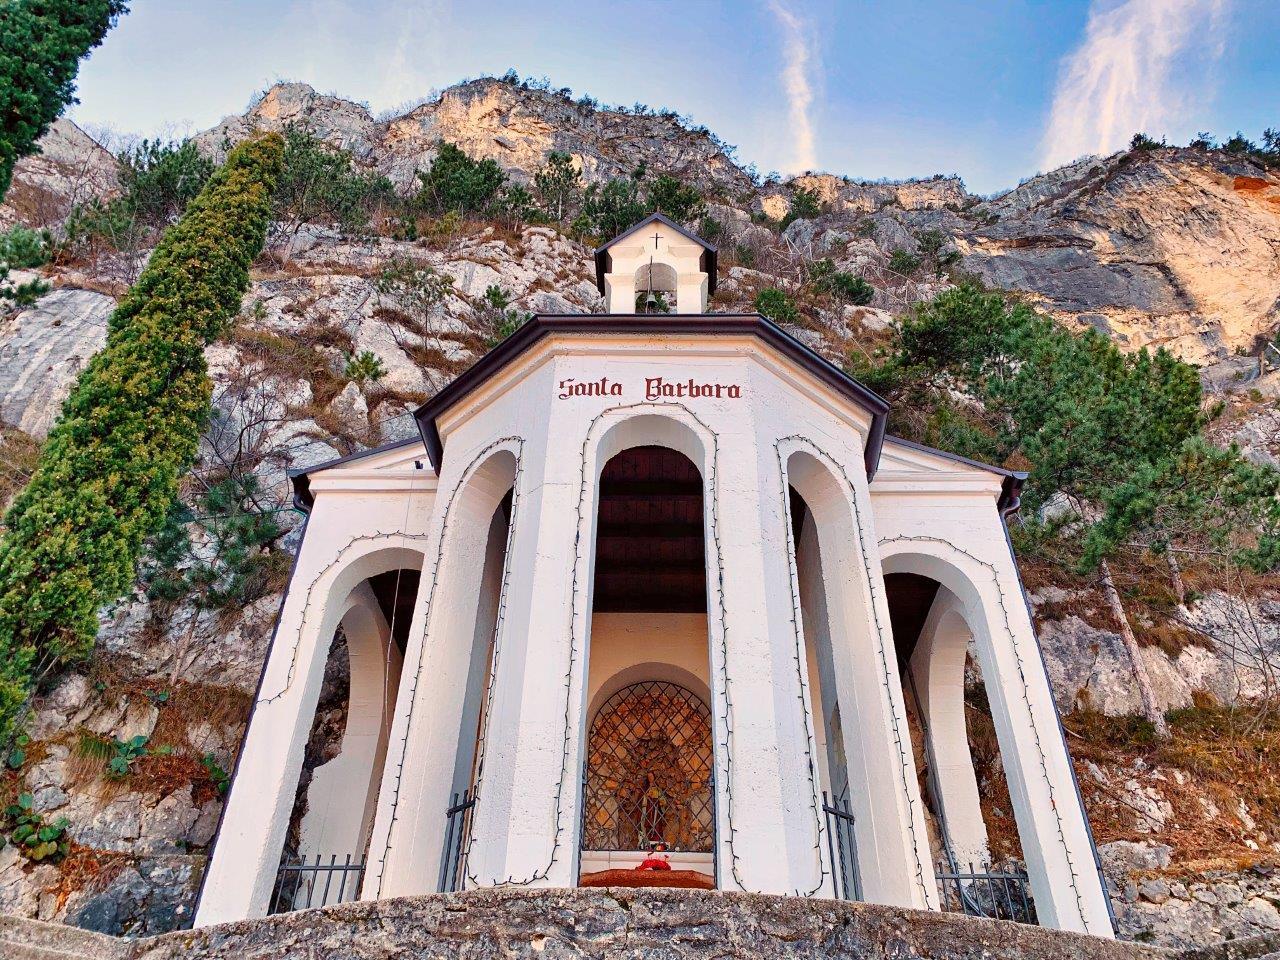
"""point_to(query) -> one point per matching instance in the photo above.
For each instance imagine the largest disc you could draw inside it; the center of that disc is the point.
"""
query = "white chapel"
(652, 599)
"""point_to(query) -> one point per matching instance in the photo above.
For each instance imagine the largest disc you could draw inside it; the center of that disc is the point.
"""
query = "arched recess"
(437, 743)
(860, 745)
(967, 610)
(659, 279)
(651, 613)
(364, 610)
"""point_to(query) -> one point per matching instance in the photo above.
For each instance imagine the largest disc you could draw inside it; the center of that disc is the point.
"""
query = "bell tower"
(656, 266)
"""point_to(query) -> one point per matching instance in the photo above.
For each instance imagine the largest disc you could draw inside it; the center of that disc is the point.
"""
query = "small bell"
(650, 303)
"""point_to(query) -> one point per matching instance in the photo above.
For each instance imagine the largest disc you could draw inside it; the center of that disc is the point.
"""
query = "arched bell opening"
(973, 829)
(648, 758)
(331, 820)
(656, 288)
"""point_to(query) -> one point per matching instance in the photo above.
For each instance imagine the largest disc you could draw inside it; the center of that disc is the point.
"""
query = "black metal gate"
(649, 772)
(842, 847)
(456, 834)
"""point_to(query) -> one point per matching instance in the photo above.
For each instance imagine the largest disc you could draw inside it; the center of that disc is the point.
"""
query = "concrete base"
(609, 923)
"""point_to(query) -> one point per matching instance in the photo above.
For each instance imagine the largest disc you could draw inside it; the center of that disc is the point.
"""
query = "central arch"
(648, 752)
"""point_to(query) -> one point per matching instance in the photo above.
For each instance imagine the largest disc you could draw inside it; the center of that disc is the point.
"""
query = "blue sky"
(992, 91)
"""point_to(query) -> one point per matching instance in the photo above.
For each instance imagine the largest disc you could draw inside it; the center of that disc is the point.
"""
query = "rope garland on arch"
(793, 578)
(905, 763)
(399, 538)
(412, 692)
(1031, 716)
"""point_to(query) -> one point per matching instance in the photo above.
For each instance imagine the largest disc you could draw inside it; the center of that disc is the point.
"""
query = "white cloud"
(799, 58)
(1141, 67)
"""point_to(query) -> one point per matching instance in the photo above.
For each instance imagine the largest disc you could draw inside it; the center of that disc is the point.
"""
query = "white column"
(1051, 821)
(937, 667)
(768, 805)
(884, 797)
(620, 293)
(242, 871)
(409, 829)
(524, 825)
(691, 293)
(344, 791)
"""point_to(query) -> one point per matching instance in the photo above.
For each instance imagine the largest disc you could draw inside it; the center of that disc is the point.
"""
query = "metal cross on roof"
(656, 235)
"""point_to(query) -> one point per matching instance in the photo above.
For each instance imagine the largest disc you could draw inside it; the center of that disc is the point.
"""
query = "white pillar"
(409, 829)
(344, 791)
(691, 293)
(524, 824)
(331, 563)
(884, 797)
(1051, 821)
(937, 668)
(620, 293)
(770, 807)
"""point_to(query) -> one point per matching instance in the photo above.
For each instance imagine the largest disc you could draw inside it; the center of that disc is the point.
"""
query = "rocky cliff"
(1176, 247)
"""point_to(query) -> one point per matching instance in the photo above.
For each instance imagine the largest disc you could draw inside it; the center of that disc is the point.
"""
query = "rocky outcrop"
(70, 168)
(1169, 247)
(514, 125)
(43, 350)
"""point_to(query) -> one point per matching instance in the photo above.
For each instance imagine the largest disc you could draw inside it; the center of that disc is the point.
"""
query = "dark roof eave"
(544, 325)
(304, 500)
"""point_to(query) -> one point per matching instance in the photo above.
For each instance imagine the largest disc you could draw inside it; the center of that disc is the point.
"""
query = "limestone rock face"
(70, 168)
(1173, 247)
(489, 119)
(43, 350)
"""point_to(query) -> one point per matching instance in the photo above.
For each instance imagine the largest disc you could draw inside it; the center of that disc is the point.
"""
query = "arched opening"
(648, 762)
(824, 704)
(973, 826)
(656, 285)
(336, 797)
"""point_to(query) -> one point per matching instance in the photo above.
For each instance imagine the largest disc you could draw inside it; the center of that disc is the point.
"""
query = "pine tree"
(109, 471)
(41, 43)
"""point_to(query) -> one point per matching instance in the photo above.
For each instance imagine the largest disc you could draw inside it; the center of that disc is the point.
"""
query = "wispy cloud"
(799, 59)
(1140, 67)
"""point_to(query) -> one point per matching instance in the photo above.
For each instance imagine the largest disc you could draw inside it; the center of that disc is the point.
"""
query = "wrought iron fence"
(303, 883)
(984, 891)
(843, 848)
(452, 864)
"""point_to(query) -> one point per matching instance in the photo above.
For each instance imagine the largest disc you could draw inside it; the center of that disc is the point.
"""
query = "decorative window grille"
(649, 772)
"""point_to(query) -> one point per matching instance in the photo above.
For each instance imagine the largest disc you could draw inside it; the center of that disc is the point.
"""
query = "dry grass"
(1224, 756)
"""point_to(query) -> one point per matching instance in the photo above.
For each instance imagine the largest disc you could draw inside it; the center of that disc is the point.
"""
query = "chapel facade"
(654, 589)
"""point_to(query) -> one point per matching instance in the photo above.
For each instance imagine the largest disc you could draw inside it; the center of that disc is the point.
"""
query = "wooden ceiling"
(649, 546)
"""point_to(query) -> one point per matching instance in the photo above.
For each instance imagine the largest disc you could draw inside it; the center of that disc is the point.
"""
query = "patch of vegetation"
(36, 840)
(109, 471)
(805, 205)
(364, 368)
(1141, 143)
(455, 182)
(22, 249)
(496, 317)
(904, 262)
(776, 305)
(319, 184)
(846, 287)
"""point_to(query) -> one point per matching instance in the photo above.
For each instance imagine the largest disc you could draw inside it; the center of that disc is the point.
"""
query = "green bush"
(669, 196)
(843, 286)
(904, 262)
(1142, 143)
(318, 184)
(364, 367)
(234, 563)
(160, 179)
(41, 43)
(109, 471)
(805, 205)
(776, 305)
(558, 187)
(22, 249)
(496, 316)
(455, 182)
(610, 209)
